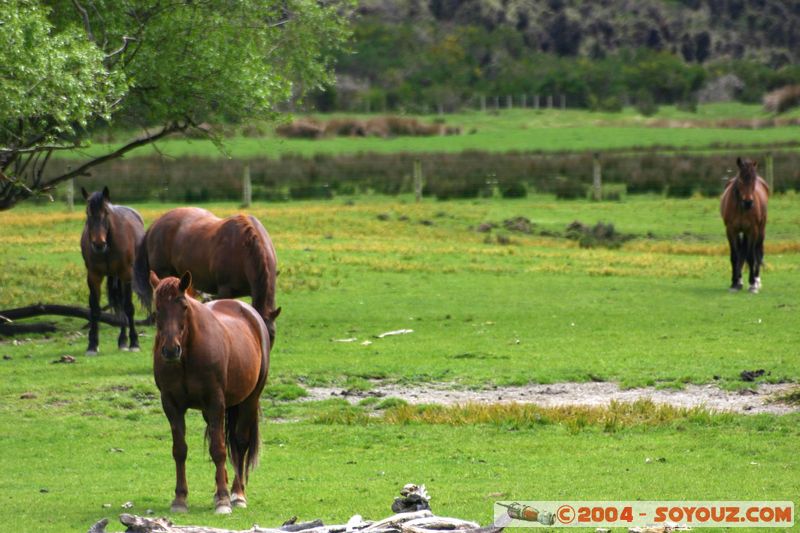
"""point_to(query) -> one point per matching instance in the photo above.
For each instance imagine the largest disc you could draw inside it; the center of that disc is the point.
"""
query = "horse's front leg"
(129, 311)
(736, 262)
(176, 416)
(215, 417)
(755, 266)
(94, 281)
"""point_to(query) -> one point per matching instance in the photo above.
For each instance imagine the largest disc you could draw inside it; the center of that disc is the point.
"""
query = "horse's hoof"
(179, 508)
(134, 348)
(734, 290)
(123, 348)
(93, 352)
(239, 501)
(753, 289)
(223, 509)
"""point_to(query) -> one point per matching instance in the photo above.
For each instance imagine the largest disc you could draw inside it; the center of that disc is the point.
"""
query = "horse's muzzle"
(747, 204)
(99, 248)
(171, 354)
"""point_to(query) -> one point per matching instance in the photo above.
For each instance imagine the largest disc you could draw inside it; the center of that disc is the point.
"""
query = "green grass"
(523, 130)
(538, 310)
(656, 311)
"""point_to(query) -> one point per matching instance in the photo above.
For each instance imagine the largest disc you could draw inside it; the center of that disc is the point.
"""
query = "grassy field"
(537, 309)
(520, 129)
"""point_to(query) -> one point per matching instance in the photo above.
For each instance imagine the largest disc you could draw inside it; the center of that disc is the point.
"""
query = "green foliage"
(67, 68)
(53, 81)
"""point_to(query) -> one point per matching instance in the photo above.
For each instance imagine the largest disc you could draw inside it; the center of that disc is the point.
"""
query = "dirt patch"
(759, 400)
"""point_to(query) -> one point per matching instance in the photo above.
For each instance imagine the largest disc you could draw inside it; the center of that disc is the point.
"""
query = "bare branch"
(85, 17)
(121, 50)
(141, 141)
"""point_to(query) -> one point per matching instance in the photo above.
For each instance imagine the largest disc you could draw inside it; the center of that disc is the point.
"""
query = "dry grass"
(610, 418)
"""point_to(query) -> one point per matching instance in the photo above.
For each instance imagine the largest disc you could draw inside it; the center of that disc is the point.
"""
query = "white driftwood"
(437, 523)
(394, 521)
(414, 522)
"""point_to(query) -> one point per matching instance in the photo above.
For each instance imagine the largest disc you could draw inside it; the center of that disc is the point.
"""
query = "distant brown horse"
(110, 237)
(744, 210)
(228, 257)
(213, 357)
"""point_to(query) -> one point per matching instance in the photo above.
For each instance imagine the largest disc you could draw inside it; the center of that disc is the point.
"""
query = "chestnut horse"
(110, 237)
(213, 357)
(744, 210)
(228, 257)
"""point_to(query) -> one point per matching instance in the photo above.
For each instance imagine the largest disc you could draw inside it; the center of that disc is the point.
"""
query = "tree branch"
(85, 16)
(13, 189)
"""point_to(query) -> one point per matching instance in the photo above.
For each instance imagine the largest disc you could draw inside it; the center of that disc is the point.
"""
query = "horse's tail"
(116, 295)
(243, 454)
(141, 275)
(262, 253)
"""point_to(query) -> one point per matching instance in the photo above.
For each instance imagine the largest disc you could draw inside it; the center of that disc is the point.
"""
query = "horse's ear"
(154, 281)
(84, 193)
(106, 194)
(274, 314)
(755, 164)
(739, 162)
(186, 281)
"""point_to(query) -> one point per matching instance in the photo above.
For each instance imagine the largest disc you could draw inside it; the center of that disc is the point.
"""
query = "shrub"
(514, 189)
(646, 103)
(569, 189)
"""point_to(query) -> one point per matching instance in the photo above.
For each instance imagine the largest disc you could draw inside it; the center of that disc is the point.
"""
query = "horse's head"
(746, 182)
(97, 219)
(172, 314)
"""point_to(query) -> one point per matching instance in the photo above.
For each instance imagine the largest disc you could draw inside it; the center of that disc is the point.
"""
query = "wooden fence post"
(597, 178)
(536, 101)
(524, 101)
(509, 101)
(770, 173)
(247, 187)
(483, 102)
(70, 192)
(549, 101)
(417, 180)
(563, 101)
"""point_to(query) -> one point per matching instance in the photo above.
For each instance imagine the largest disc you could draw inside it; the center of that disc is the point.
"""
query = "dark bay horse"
(744, 210)
(110, 237)
(228, 257)
(213, 357)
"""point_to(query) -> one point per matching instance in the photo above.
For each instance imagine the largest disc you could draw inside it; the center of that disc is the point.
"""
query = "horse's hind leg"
(129, 311)
(94, 281)
(245, 439)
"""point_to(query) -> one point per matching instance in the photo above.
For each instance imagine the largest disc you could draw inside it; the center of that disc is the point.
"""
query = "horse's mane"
(96, 201)
(258, 252)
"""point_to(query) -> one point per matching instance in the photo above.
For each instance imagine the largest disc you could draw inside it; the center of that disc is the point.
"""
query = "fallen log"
(10, 329)
(39, 309)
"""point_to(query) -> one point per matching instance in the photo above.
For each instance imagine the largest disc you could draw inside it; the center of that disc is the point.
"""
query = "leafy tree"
(68, 66)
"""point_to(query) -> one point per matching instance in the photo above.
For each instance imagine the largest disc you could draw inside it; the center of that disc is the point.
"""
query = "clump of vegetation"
(569, 189)
(513, 189)
(600, 235)
(614, 416)
(285, 392)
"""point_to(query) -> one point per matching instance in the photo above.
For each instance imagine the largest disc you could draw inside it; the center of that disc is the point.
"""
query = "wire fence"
(444, 175)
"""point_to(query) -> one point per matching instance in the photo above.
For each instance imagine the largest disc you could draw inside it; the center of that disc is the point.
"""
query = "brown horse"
(228, 257)
(744, 210)
(108, 243)
(213, 357)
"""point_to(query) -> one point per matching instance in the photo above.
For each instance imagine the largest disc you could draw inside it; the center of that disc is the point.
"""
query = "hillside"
(419, 55)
